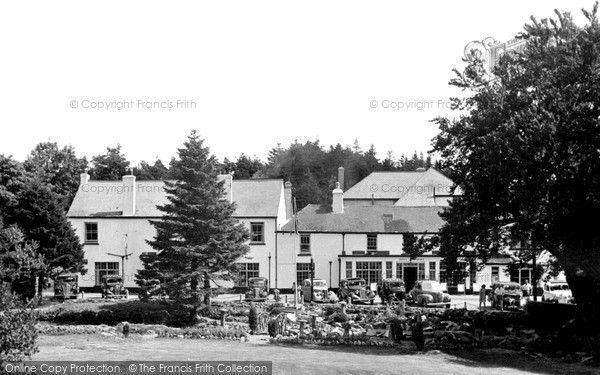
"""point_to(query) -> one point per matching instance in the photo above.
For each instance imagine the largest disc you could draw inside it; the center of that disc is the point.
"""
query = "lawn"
(288, 359)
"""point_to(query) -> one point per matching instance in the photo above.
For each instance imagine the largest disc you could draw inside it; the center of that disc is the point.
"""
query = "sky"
(246, 75)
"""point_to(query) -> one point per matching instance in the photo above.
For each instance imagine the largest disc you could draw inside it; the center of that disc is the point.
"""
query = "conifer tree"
(198, 240)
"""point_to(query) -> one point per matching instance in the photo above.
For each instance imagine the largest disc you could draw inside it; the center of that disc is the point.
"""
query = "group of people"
(498, 294)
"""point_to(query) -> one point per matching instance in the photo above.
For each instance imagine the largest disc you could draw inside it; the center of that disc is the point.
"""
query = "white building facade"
(112, 220)
(366, 230)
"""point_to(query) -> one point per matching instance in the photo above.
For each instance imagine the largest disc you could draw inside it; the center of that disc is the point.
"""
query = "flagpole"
(295, 208)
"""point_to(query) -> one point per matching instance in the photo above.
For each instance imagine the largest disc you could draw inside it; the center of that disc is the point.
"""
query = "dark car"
(258, 289)
(429, 293)
(513, 294)
(113, 287)
(66, 286)
(355, 288)
(392, 290)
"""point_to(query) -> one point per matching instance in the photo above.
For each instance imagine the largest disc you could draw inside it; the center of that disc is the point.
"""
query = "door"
(410, 277)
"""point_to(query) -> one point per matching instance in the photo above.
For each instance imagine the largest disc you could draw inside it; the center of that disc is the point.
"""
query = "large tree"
(57, 167)
(110, 166)
(39, 211)
(198, 240)
(526, 153)
(18, 263)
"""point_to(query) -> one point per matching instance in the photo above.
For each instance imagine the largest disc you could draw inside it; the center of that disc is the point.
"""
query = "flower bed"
(205, 332)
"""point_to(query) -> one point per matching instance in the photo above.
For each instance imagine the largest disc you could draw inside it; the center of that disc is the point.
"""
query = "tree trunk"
(583, 275)
(206, 289)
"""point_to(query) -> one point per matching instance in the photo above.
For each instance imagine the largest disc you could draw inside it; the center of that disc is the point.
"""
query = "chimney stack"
(287, 196)
(84, 178)
(341, 177)
(129, 190)
(338, 199)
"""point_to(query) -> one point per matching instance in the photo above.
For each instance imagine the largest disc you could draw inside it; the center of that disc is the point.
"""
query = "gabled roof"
(368, 219)
(106, 198)
(257, 198)
(411, 188)
(254, 198)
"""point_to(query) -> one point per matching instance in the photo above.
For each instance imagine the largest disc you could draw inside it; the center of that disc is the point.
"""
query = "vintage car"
(66, 286)
(513, 294)
(258, 289)
(355, 288)
(113, 287)
(392, 290)
(557, 292)
(429, 293)
(319, 291)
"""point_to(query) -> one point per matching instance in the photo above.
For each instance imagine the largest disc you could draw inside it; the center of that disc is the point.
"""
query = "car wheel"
(448, 305)
(423, 302)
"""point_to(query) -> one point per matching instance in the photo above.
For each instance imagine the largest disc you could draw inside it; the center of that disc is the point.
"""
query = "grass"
(298, 359)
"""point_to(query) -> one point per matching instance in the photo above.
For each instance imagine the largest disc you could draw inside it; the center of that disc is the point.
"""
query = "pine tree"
(198, 240)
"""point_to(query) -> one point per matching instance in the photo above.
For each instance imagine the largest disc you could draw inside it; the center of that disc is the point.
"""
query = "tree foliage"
(56, 167)
(18, 263)
(198, 240)
(313, 170)
(111, 166)
(525, 153)
(32, 205)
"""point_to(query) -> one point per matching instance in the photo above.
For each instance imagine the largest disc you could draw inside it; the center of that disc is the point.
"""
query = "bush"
(275, 309)
(339, 317)
(18, 334)
(111, 314)
(213, 312)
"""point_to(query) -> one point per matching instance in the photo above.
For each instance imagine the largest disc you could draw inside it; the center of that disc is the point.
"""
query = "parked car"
(66, 286)
(392, 290)
(320, 292)
(356, 288)
(557, 292)
(113, 287)
(429, 293)
(258, 289)
(513, 294)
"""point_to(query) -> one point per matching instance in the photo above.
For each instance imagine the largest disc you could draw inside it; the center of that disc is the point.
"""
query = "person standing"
(527, 289)
(499, 294)
(482, 296)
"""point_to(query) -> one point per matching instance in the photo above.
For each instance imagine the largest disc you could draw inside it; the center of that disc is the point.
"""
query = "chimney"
(84, 178)
(229, 186)
(287, 197)
(341, 177)
(129, 190)
(338, 199)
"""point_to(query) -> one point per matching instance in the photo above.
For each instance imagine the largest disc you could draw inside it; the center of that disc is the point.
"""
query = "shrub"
(339, 317)
(213, 312)
(18, 334)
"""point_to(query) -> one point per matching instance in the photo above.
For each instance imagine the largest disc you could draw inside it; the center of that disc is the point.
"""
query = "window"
(521, 275)
(370, 271)
(421, 274)
(348, 270)
(443, 273)
(371, 242)
(257, 233)
(246, 271)
(302, 273)
(399, 273)
(388, 269)
(305, 243)
(91, 232)
(432, 271)
(105, 268)
(495, 274)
